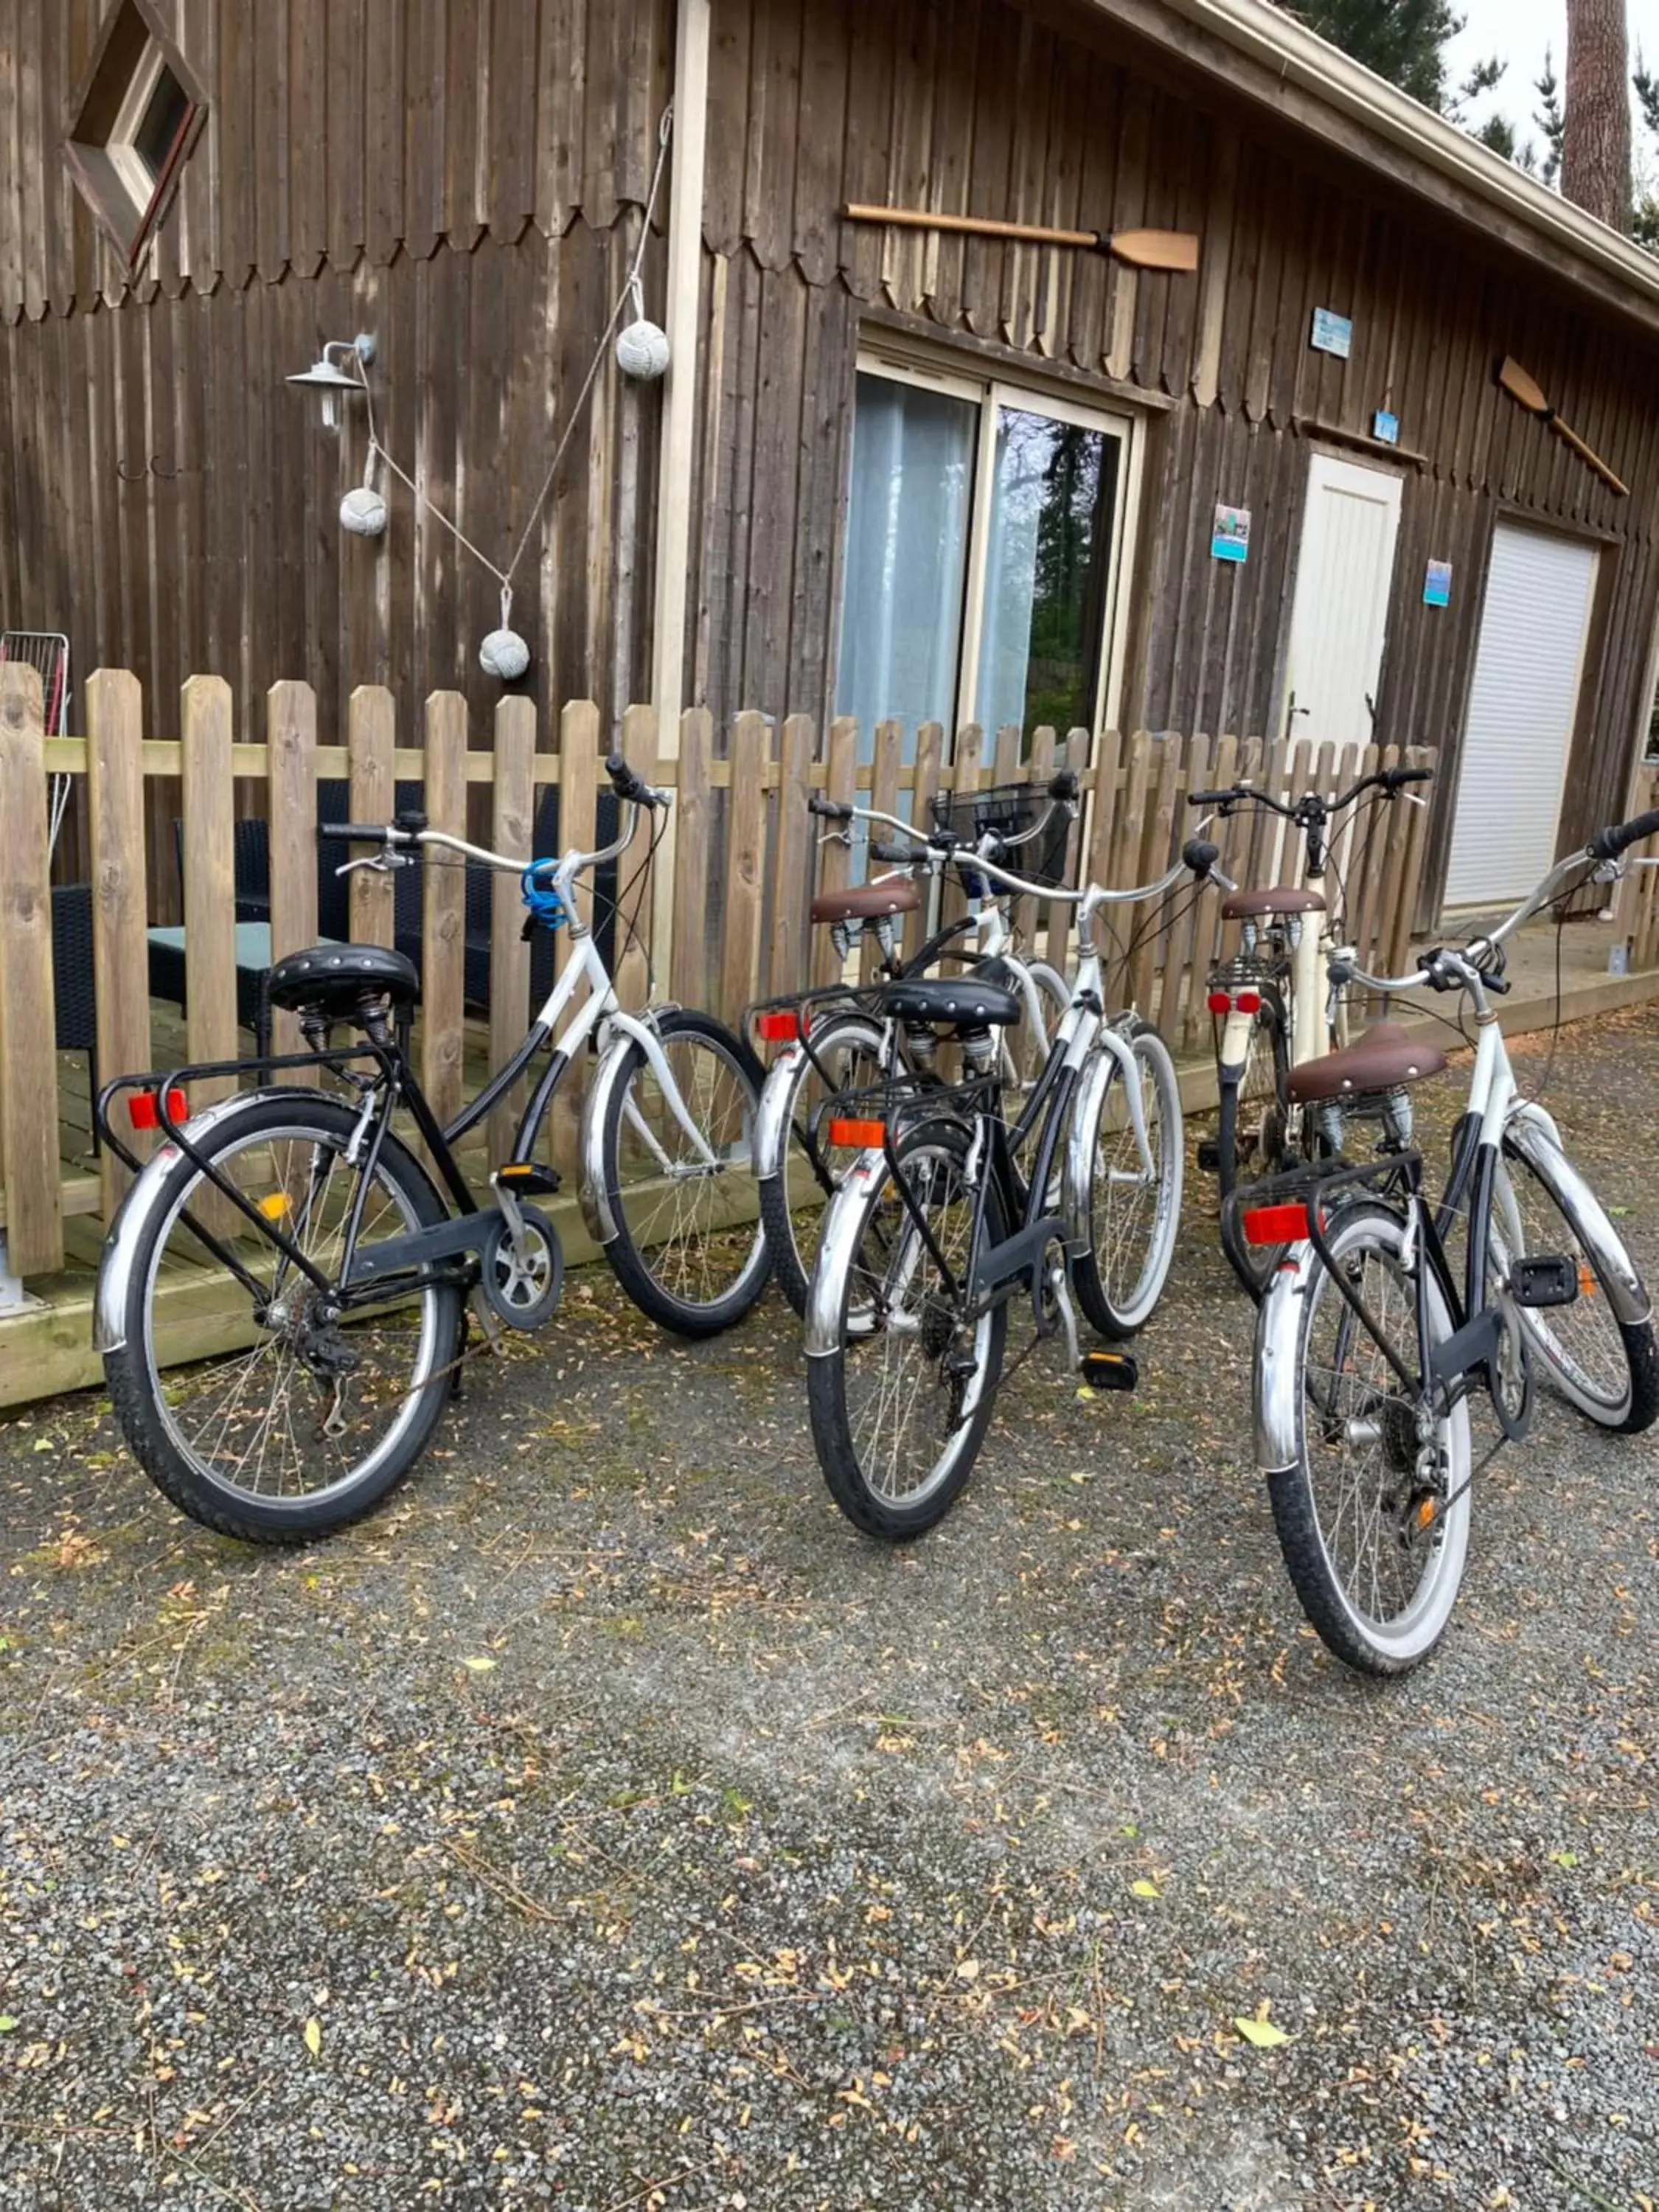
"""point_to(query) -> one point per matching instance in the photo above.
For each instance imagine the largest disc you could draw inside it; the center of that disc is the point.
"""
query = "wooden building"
(889, 471)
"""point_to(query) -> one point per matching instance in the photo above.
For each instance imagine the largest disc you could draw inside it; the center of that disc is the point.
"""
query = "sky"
(1520, 32)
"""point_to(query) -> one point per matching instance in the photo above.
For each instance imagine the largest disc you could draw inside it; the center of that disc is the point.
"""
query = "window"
(137, 118)
(985, 540)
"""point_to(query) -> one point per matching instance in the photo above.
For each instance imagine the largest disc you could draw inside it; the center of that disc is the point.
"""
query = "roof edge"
(1299, 56)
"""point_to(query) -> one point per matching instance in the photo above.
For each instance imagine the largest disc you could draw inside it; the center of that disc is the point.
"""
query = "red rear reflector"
(143, 1109)
(1276, 1225)
(858, 1133)
(777, 1029)
(1248, 1002)
(1220, 1003)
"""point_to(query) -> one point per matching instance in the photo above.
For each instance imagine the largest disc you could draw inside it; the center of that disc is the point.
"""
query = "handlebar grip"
(832, 810)
(1394, 778)
(1065, 785)
(1200, 855)
(1210, 798)
(627, 784)
(902, 855)
(1608, 844)
(354, 833)
(411, 822)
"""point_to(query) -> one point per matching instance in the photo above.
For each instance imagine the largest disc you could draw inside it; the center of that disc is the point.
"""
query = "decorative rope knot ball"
(504, 655)
(363, 512)
(642, 350)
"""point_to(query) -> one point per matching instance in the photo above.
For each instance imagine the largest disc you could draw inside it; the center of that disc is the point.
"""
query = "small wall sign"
(1231, 539)
(1436, 585)
(1385, 426)
(1332, 333)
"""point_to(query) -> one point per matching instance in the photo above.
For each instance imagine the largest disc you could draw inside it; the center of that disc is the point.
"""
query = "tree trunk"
(1595, 145)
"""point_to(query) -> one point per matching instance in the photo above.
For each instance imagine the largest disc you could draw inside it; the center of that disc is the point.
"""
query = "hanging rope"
(630, 294)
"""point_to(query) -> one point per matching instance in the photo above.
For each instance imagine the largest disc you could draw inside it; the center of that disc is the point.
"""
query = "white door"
(1523, 707)
(1342, 583)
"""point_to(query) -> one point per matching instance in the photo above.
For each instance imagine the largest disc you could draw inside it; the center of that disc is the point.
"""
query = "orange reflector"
(1586, 1279)
(858, 1133)
(1248, 1002)
(1276, 1225)
(1425, 1513)
(275, 1206)
(144, 1111)
(1220, 1003)
(777, 1028)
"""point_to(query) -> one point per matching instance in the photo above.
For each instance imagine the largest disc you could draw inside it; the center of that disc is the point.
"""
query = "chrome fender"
(1112, 1057)
(772, 1123)
(622, 1031)
(1276, 1398)
(133, 1217)
(1533, 1134)
(837, 1248)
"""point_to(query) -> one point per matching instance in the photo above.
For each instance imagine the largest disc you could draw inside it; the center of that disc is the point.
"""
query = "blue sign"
(1436, 585)
(1231, 537)
(1386, 427)
(1332, 333)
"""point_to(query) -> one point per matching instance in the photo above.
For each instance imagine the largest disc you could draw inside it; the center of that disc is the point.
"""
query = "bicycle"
(1369, 1350)
(354, 1269)
(1265, 1002)
(935, 1228)
(834, 1041)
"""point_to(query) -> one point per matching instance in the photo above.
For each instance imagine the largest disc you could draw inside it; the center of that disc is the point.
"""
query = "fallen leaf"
(478, 1666)
(314, 2037)
(1262, 2032)
(1146, 1889)
(7, 2023)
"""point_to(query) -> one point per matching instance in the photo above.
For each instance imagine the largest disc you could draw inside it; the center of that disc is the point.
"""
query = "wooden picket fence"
(1639, 895)
(743, 844)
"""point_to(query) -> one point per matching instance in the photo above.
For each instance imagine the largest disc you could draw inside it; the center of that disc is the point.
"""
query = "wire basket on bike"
(1031, 827)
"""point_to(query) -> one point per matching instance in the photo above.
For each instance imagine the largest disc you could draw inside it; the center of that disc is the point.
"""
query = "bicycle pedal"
(1209, 1155)
(1546, 1280)
(1108, 1370)
(529, 1179)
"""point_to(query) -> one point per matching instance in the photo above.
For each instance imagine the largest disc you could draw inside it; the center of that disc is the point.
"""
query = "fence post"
(835, 861)
(443, 908)
(746, 865)
(688, 970)
(791, 863)
(291, 796)
(513, 820)
(33, 1239)
(883, 800)
(371, 736)
(930, 754)
(634, 917)
(210, 884)
(120, 948)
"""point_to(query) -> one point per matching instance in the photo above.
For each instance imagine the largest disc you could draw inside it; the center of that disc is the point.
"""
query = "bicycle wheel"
(847, 1055)
(1606, 1369)
(689, 1248)
(1373, 1514)
(1025, 1053)
(296, 1424)
(1133, 1215)
(901, 1392)
(1251, 1140)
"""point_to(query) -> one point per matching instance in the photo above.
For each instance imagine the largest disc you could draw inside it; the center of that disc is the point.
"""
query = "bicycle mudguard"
(111, 1295)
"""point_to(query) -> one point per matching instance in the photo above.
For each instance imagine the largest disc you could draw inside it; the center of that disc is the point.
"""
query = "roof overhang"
(1272, 59)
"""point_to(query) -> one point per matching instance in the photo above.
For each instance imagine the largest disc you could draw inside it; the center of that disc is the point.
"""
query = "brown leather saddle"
(863, 903)
(1385, 1059)
(1251, 906)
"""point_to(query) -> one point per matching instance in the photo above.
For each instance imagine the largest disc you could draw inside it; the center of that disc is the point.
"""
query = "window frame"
(132, 53)
(990, 385)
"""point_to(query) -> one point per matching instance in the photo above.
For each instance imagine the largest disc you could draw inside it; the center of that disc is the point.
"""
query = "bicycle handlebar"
(1608, 844)
(1388, 780)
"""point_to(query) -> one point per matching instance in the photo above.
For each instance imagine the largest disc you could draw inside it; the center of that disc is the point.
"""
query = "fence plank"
(443, 908)
(745, 866)
(1154, 860)
(291, 741)
(371, 741)
(512, 826)
(1062, 916)
(115, 805)
(688, 967)
(924, 785)
(1179, 985)
(791, 828)
(1102, 827)
(965, 777)
(1209, 928)
(28, 1086)
(883, 800)
(579, 773)
(639, 745)
(834, 860)
(209, 802)
(1040, 770)
(1367, 847)
(1410, 874)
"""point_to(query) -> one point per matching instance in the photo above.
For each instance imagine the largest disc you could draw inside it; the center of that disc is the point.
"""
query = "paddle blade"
(1174, 250)
(1520, 386)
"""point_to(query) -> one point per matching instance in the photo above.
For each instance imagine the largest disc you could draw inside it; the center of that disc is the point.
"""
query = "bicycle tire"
(1620, 1392)
(1369, 1642)
(1242, 1155)
(148, 1412)
(720, 1254)
(793, 1254)
(868, 1251)
(1116, 1302)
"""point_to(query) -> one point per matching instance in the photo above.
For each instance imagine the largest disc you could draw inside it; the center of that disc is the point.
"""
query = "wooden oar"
(1527, 394)
(1175, 251)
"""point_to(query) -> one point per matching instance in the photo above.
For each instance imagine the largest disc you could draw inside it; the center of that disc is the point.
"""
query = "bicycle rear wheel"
(1605, 1368)
(294, 1425)
(1373, 1513)
(687, 1246)
(847, 1055)
(1133, 1215)
(902, 1370)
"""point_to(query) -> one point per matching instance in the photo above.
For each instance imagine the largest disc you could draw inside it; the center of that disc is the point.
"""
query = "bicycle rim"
(305, 1411)
(1133, 1214)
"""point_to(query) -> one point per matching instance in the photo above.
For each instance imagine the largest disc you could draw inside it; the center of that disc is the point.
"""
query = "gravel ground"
(607, 1825)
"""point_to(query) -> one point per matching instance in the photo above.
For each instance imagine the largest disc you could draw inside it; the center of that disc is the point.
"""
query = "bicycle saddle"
(965, 1000)
(1247, 906)
(867, 902)
(1384, 1058)
(334, 980)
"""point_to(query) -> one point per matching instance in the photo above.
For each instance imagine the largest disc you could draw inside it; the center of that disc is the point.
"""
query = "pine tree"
(1403, 40)
(1595, 150)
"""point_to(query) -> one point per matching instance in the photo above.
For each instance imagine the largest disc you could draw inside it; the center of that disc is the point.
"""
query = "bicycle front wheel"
(245, 1402)
(677, 1161)
(1132, 1203)
(1373, 1513)
(1250, 1140)
(902, 1364)
(1606, 1369)
(847, 1055)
